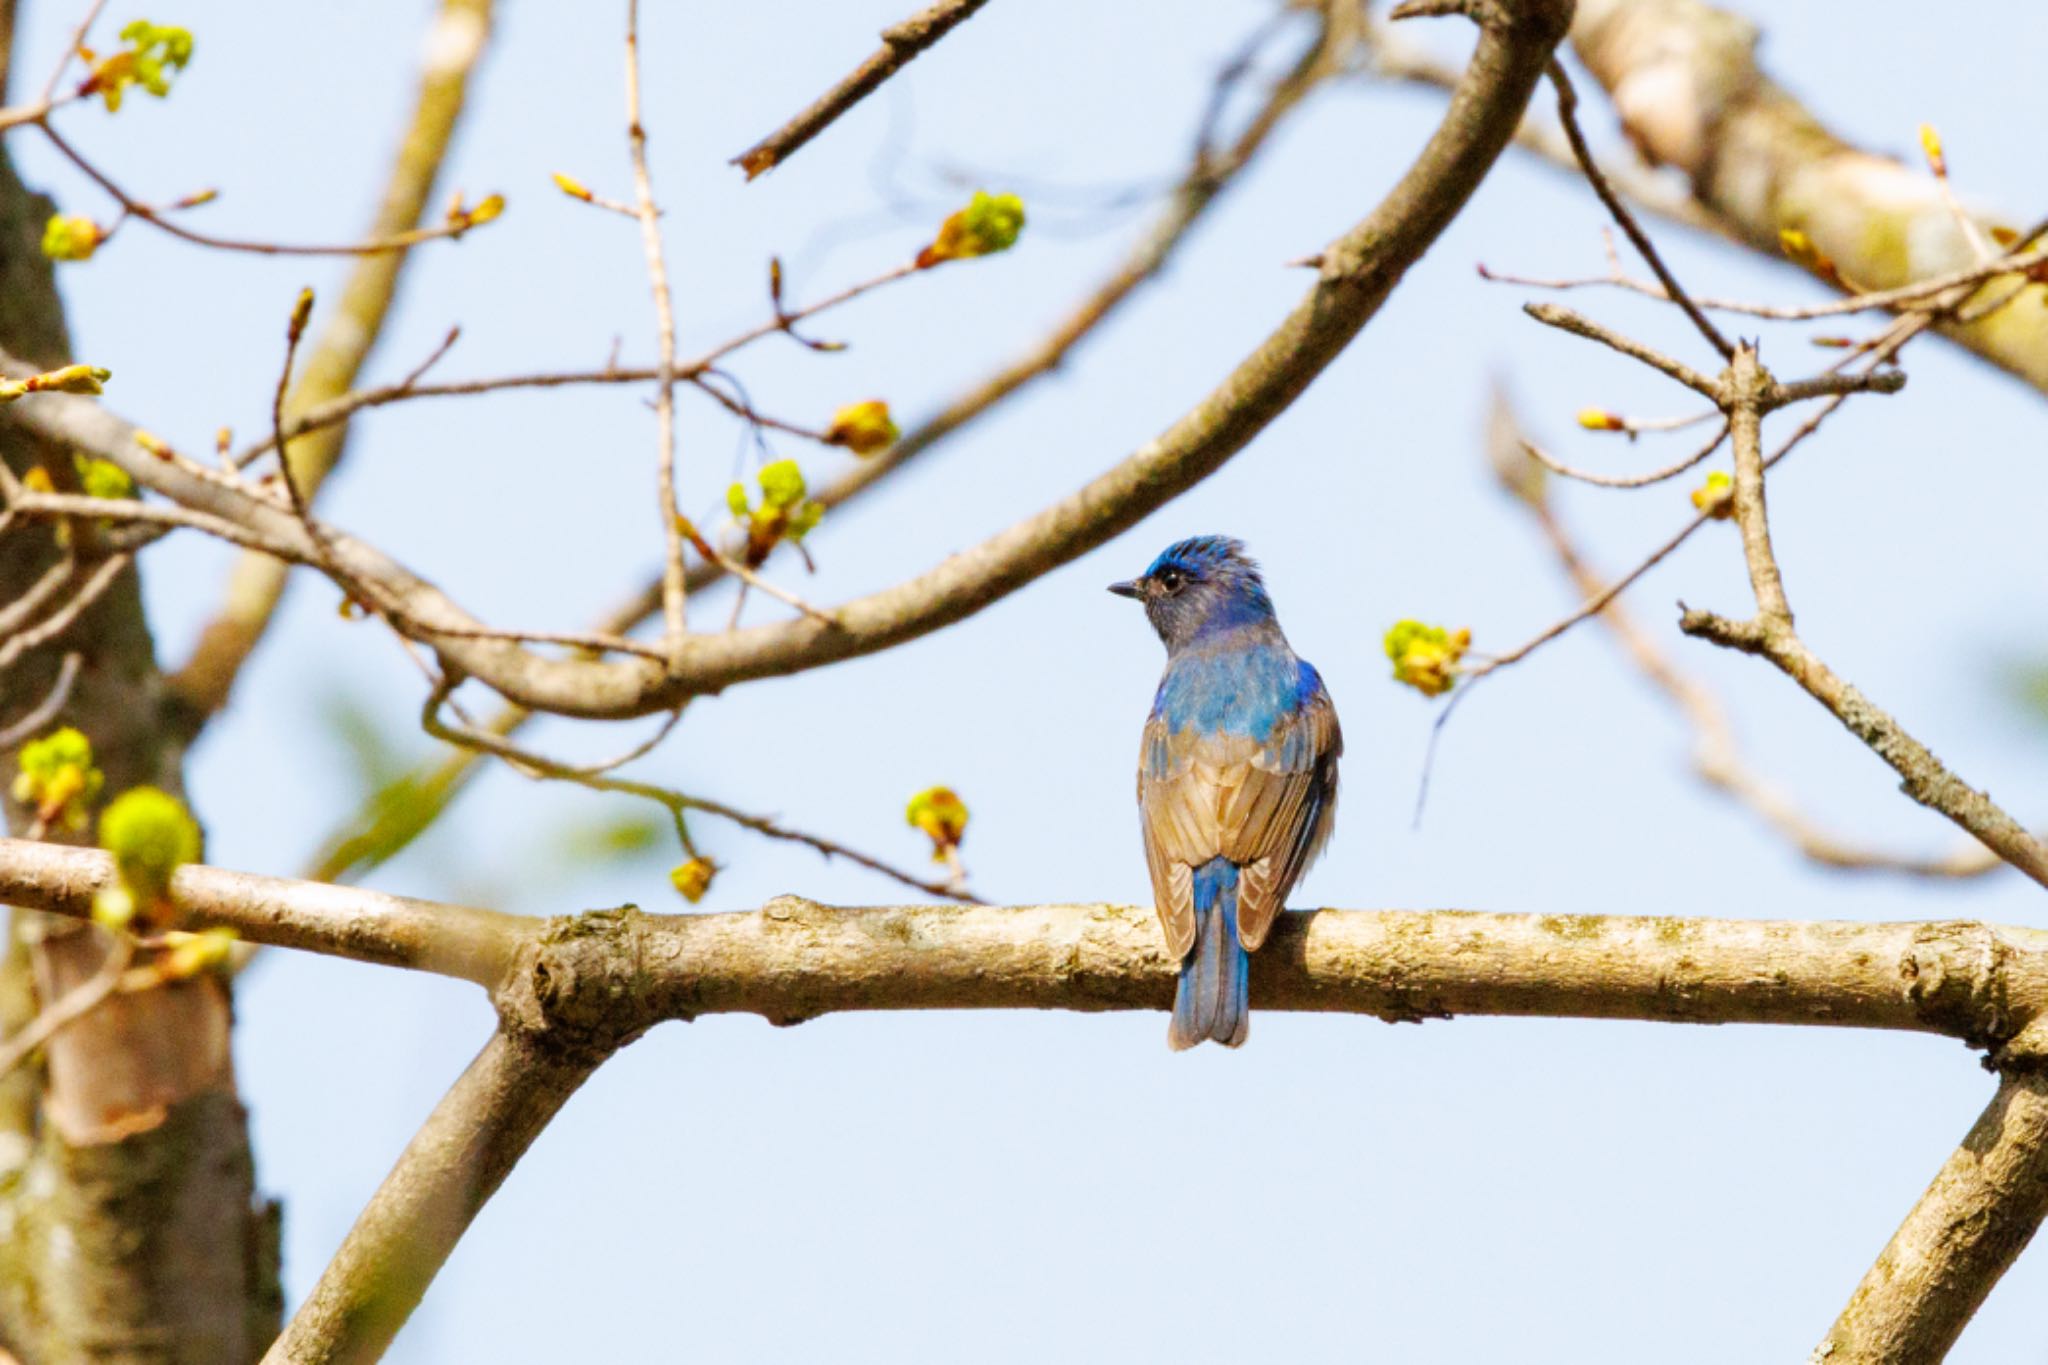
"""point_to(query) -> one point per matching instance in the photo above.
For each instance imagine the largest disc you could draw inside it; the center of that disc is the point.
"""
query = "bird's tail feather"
(1213, 1000)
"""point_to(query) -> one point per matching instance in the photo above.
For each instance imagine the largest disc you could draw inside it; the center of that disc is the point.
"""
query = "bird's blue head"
(1199, 587)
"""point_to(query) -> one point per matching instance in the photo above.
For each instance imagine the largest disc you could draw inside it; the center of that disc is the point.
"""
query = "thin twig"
(1771, 635)
(739, 569)
(900, 44)
(674, 588)
(157, 218)
(2018, 261)
(593, 642)
(419, 371)
(71, 48)
(347, 405)
(1716, 754)
(49, 708)
(1670, 471)
(1567, 113)
(540, 768)
(1565, 320)
(125, 511)
(89, 592)
(53, 580)
(294, 333)
(68, 1008)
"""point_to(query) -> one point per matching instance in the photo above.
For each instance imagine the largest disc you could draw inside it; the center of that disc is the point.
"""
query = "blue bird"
(1237, 776)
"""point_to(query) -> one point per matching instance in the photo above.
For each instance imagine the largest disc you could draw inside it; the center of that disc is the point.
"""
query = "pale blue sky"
(1013, 1187)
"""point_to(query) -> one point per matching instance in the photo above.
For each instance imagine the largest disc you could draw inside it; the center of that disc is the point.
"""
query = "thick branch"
(1979, 1214)
(612, 972)
(451, 1167)
(1684, 80)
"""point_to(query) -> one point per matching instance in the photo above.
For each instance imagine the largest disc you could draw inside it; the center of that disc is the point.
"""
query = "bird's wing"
(1184, 781)
(1278, 814)
(1268, 807)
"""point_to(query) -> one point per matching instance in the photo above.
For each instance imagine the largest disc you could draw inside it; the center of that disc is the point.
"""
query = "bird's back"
(1241, 684)
(1238, 763)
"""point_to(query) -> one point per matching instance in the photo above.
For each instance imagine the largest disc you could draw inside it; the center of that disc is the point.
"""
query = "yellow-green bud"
(1716, 497)
(151, 835)
(782, 484)
(989, 224)
(942, 815)
(693, 878)
(1426, 657)
(57, 777)
(804, 518)
(71, 237)
(863, 428)
(102, 478)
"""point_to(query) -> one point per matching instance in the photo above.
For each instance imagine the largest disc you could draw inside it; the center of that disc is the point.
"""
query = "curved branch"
(379, 830)
(1357, 274)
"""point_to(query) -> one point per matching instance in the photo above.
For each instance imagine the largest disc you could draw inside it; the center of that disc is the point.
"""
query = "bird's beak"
(1128, 588)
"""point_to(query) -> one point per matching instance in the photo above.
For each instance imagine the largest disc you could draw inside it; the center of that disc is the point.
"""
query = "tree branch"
(795, 959)
(1979, 1214)
(1716, 755)
(1358, 272)
(368, 926)
(572, 989)
(380, 829)
(456, 1162)
(1683, 78)
(1749, 392)
(673, 588)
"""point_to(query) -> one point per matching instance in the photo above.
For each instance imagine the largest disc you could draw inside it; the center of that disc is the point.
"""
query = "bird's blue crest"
(1212, 557)
(1200, 588)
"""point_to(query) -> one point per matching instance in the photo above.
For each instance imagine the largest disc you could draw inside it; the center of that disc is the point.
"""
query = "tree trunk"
(129, 1227)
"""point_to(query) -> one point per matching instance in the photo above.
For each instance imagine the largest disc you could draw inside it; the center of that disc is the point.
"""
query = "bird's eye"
(1171, 580)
